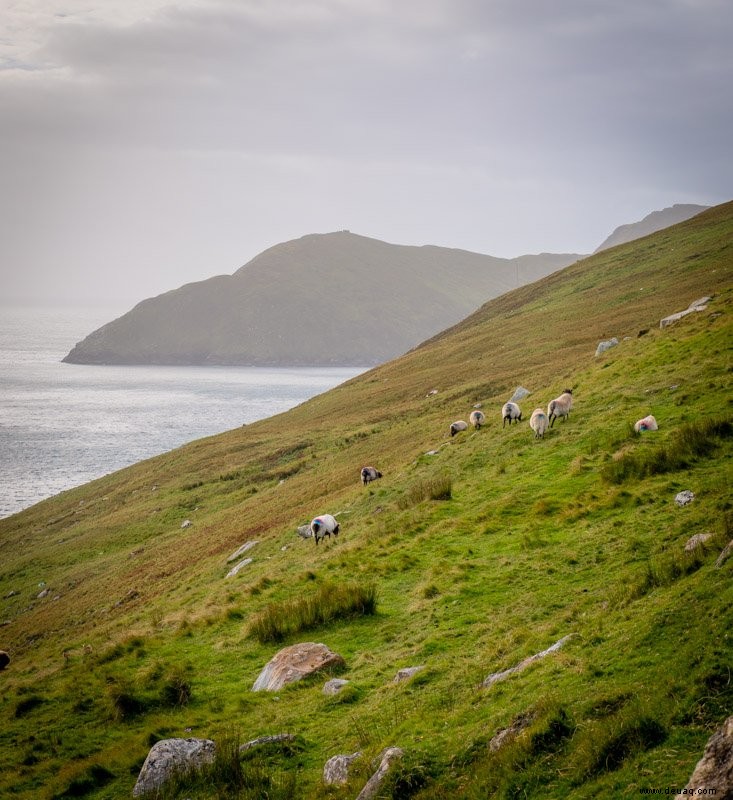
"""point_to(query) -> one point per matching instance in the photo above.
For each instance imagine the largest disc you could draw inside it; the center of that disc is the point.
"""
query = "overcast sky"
(145, 144)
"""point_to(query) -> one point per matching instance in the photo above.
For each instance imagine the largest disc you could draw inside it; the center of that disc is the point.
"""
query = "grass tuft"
(331, 601)
(439, 487)
(692, 441)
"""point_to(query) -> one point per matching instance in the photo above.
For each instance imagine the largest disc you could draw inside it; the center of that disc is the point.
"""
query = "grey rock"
(406, 673)
(496, 677)
(273, 739)
(304, 531)
(713, 774)
(698, 540)
(295, 663)
(505, 735)
(726, 552)
(696, 305)
(43, 593)
(683, 498)
(186, 523)
(240, 551)
(373, 785)
(607, 345)
(336, 769)
(169, 756)
(334, 686)
(519, 394)
(235, 569)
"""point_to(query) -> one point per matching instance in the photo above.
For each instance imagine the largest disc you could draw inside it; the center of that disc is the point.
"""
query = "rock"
(431, 393)
(43, 593)
(304, 531)
(406, 673)
(4, 659)
(334, 686)
(243, 549)
(373, 785)
(169, 756)
(607, 345)
(683, 498)
(695, 305)
(727, 550)
(235, 569)
(713, 774)
(432, 453)
(274, 739)
(505, 735)
(336, 769)
(698, 540)
(646, 424)
(495, 677)
(294, 663)
(519, 394)
(186, 523)
(478, 405)
(10, 594)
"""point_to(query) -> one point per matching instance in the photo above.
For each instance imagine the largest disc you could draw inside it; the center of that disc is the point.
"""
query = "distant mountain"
(324, 299)
(656, 221)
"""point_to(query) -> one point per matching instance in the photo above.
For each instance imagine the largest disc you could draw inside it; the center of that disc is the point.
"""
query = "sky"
(145, 144)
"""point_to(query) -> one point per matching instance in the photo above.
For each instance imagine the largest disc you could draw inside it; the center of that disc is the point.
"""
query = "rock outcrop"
(713, 775)
(695, 305)
(386, 758)
(295, 663)
(496, 677)
(336, 769)
(169, 756)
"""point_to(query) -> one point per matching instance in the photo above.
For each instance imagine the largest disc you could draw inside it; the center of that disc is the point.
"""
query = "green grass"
(480, 555)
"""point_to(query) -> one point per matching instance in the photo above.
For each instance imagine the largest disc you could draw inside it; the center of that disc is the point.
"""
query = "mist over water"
(63, 424)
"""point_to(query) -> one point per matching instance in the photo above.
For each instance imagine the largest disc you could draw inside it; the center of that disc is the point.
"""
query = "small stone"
(186, 523)
(334, 686)
(43, 593)
(336, 769)
(235, 569)
(262, 740)
(240, 550)
(698, 540)
(373, 785)
(519, 394)
(607, 345)
(683, 498)
(406, 673)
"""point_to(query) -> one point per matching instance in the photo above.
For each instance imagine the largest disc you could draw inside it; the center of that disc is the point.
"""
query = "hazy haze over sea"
(62, 425)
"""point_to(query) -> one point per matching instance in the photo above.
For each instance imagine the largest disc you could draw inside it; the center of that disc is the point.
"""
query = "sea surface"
(62, 425)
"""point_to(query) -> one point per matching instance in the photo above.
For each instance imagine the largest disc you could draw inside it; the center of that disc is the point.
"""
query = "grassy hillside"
(326, 299)
(485, 553)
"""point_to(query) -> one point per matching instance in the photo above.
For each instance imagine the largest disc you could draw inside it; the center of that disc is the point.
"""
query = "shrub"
(27, 705)
(439, 487)
(330, 602)
(693, 440)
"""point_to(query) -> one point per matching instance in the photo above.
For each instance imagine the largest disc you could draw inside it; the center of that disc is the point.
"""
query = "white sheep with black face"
(539, 423)
(510, 411)
(369, 474)
(477, 419)
(324, 525)
(560, 406)
(458, 426)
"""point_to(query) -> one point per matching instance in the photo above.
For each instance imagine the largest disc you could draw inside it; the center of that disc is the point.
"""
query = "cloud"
(213, 129)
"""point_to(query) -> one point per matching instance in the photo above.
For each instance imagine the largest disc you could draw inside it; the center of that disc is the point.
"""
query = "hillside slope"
(656, 221)
(326, 299)
(482, 550)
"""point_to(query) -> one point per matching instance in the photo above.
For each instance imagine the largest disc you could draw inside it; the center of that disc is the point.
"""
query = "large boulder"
(713, 774)
(294, 663)
(169, 756)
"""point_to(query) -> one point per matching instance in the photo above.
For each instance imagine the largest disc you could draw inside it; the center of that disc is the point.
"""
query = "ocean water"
(65, 424)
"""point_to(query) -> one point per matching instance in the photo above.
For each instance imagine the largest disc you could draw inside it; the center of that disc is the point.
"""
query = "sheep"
(560, 406)
(646, 424)
(477, 419)
(369, 474)
(458, 426)
(510, 411)
(539, 423)
(323, 526)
